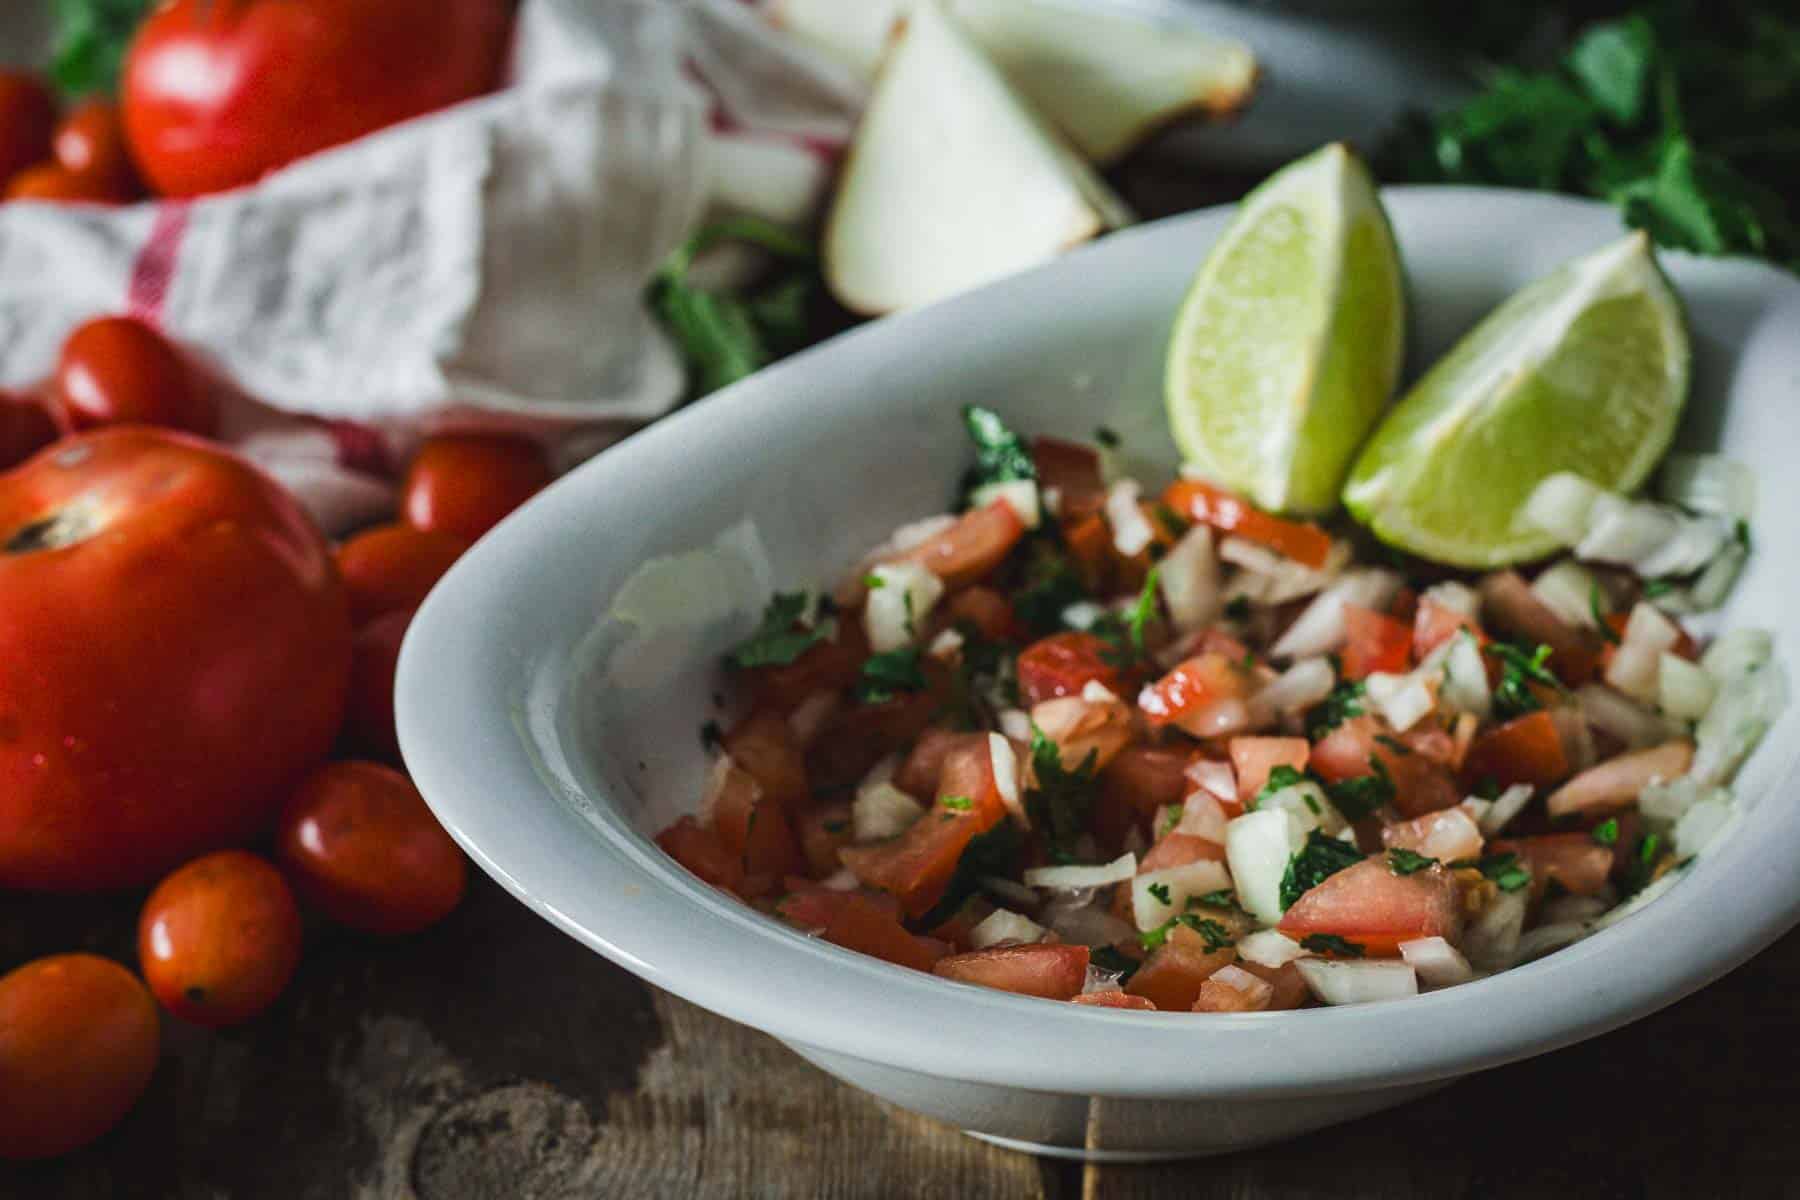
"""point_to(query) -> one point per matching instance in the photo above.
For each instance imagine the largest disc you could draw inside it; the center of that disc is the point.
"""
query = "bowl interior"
(552, 690)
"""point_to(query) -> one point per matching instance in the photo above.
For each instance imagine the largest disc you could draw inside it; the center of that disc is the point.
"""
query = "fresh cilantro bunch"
(1680, 113)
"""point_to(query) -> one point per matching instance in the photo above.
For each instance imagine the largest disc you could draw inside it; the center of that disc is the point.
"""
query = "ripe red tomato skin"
(163, 685)
(119, 371)
(55, 183)
(375, 655)
(466, 483)
(219, 939)
(217, 93)
(79, 1037)
(360, 845)
(391, 567)
(25, 428)
(27, 117)
(90, 144)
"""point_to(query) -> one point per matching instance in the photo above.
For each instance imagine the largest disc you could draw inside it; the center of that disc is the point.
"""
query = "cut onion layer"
(1269, 948)
(1358, 982)
(1071, 878)
(1004, 925)
(1436, 962)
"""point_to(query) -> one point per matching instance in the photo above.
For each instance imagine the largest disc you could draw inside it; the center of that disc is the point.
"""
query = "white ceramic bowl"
(554, 726)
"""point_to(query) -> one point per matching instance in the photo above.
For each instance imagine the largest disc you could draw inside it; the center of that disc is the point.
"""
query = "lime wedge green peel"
(1585, 370)
(1287, 347)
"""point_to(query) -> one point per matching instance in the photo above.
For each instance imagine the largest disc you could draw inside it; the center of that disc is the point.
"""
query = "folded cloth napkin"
(481, 266)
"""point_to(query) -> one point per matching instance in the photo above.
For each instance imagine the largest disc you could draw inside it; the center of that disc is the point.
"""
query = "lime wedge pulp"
(1585, 370)
(1286, 349)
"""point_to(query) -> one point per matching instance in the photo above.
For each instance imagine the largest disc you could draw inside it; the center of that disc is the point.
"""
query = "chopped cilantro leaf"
(873, 580)
(1505, 870)
(1106, 437)
(1407, 862)
(1223, 898)
(958, 803)
(777, 642)
(711, 735)
(1107, 958)
(1171, 817)
(1607, 832)
(1640, 868)
(1598, 611)
(1062, 800)
(1393, 743)
(994, 853)
(1315, 862)
(1344, 702)
(1281, 777)
(1160, 891)
(1359, 797)
(1143, 611)
(1331, 943)
(1519, 669)
(1238, 608)
(1657, 587)
(885, 676)
(1213, 935)
(1050, 586)
(1001, 455)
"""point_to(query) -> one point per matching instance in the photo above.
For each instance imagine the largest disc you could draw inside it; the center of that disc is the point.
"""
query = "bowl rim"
(621, 896)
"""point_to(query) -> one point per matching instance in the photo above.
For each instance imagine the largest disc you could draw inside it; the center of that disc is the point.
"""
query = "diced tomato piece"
(862, 925)
(811, 908)
(1301, 541)
(1404, 607)
(1220, 996)
(1054, 972)
(823, 830)
(1433, 741)
(1178, 850)
(857, 735)
(828, 666)
(755, 826)
(1515, 610)
(956, 927)
(1421, 784)
(978, 542)
(1434, 624)
(1082, 728)
(917, 865)
(763, 745)
(1191, 688)
(1685, 646)
(1119, 999)
(1526, 749)
(918, 774)
(1253, 758)
(1143, 778)
(1089, 542)
(1370, 905)
(1375, 642)
(1574, 860)
(984, 608)
(1061, 665)
(703, 853)
(1171, 977)
(1344, 753)
(1290, 987)
(1074, 471)
(1215, 640)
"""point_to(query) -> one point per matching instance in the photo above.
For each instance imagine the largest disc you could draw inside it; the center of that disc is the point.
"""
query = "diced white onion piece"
(1747, 706)
(1099, 980)
(1465, 688)
(1697, 541)
(1619, 716)
(1269, 948)
(881, 811)
(917, 533)
(1131, 532)
(1737, 652)
(1626, 531)
(1090, 925)
(1320, 629)
(809, 716)
(1701, 823)
(1216, 777)
(1021, 495)
(1256, 991)
(1202, 816)
(1082, 614)
(1178, 883)
(1004, 925)
(1506, 806)
(1633, 669)
(1684, 690)
(1663, 803)
(1095, 692)
(1296, 689)
(1459, 598)
(1566, 909)
(1708, 483)
(1229, 715)
(1548, 938)
(1009, 890)
(1069, 878)
(1052, 499)
(1576, 738)
(1721, 574)
(1492, 940)
(1188, 577)
(1403, 700)
(1560, 506)
(841, 880)
(1005, 762)
(1258, 846)
(1015, 723)
(946, 646)
(1436, 962)
(1569, 590)
(1307, 807)
(1649, 895)
(884, 769)
(717, 778)
(896, 609)
(1358, 982)
(1270, 578)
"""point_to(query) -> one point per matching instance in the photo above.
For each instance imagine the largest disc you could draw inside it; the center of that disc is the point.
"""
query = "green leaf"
(1051, 585)
(89, 44)
(1344, 702)
(1613, 63)
(1507, 872)
(1519, 669)
(1362, 795)
(1408, 862)
(1698, 202)
(778, 641)
(1281, 777)
(1315, 862)
(1331, 943)
(994, 853)
(1061, 801)
(1001, 455)
(885, 676)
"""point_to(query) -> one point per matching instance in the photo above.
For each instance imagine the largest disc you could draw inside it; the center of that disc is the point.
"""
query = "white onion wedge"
(1258, 846)
(1004, 925)
(1358, 982)
(1436, 962)
(1073, 878)
(1269, 948)
(1158, 895)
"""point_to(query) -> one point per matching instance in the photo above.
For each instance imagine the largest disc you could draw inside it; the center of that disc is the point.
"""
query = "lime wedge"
(1584, 371)
(1287, 346)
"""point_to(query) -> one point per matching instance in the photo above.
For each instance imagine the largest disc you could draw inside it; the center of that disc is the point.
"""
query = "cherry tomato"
(216, 94)
(78, 1044)
(375, 655)
(360, 844)
(219, 939)
(90, 143)
(465, 483)
(27, 117)
(55, 183)
(174, 654)
(392, 567)
(119, 371)
(25, 428)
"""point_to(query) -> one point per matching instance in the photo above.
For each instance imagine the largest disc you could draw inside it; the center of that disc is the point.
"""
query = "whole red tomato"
(174, 653)
(219, 92)
(374, 659)
(25, 428)
(27, 117)
(360, 844)
(78, 1043)
(90, 143)
(391, 567)
(56, 183)
(219, 939)
(119, 371)
(465, 483)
